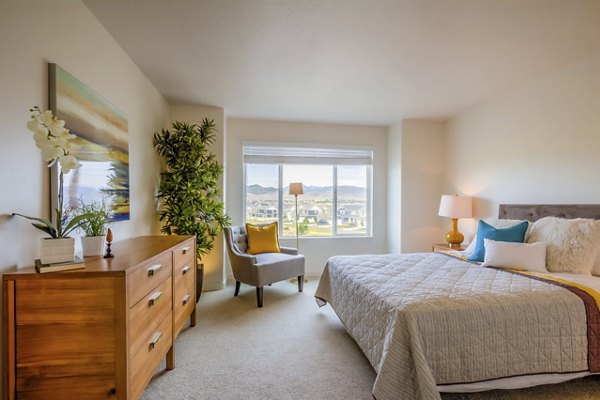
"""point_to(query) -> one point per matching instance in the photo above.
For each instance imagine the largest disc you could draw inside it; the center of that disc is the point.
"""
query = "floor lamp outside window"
(296, 189)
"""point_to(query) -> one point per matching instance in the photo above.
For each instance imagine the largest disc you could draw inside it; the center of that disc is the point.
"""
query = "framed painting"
(102, 146)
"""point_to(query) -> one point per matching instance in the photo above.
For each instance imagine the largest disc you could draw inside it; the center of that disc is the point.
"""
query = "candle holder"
(109, 239)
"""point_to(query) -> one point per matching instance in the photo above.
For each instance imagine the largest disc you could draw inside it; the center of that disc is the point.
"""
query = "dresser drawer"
(147, 359)
(148, 276)
(184, 273)
(183, 304)
(148, 313)
(184, 254)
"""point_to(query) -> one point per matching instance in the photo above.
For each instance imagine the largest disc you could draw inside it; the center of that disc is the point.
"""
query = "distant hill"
(259, 190)
(310, 192)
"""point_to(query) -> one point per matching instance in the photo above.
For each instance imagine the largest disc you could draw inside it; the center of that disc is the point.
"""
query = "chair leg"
(237, 288)
(259, 297)
(301, 283)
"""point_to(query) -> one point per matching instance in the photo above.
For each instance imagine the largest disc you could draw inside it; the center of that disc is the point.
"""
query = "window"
(337, 189)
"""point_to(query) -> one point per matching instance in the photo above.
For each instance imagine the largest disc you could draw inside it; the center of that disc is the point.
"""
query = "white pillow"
(572, 244)
(496, 223)
(527, 256)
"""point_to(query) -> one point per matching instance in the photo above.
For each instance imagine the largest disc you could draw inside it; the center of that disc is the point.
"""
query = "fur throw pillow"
(571, 243)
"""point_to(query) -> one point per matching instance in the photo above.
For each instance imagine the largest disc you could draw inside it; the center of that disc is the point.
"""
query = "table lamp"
(455, 207)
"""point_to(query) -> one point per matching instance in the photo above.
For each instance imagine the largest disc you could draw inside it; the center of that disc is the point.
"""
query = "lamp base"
(454, 237)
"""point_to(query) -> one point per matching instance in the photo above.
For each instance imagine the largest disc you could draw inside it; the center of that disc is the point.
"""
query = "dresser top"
(128, 254)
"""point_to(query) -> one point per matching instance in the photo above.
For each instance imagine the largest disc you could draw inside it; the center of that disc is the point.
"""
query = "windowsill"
(327, 237)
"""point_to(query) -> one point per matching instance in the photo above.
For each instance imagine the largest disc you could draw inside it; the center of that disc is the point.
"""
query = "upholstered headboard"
(533, 212)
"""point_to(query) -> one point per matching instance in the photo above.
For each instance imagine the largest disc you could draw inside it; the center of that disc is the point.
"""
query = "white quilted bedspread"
(425, 319)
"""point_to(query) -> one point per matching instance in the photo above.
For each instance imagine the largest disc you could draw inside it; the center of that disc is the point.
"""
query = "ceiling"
(353, 61)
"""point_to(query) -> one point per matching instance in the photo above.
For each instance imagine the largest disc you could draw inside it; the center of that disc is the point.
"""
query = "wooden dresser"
(100, 332)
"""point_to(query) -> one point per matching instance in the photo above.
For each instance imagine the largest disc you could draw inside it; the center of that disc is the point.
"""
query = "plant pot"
(93, 245)
(199, 279)
(57, 250)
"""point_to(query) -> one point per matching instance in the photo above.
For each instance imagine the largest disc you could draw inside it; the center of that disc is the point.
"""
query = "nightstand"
(441, 247)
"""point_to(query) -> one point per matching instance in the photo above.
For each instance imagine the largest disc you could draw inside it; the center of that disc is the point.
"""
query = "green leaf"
(42, 224)
(45, 228)
(74, 223)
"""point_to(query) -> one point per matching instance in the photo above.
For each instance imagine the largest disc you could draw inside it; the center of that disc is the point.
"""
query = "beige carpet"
(289, 349)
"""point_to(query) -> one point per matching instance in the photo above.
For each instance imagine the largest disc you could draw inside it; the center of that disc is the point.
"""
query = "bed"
(432, 322)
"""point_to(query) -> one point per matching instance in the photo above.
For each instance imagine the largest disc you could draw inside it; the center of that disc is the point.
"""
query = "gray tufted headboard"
(533, 212)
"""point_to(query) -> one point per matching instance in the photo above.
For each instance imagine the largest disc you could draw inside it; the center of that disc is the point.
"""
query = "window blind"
(265, 154)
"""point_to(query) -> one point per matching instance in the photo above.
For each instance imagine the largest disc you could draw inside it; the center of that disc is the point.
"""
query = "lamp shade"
(296, 188)
(455, 206)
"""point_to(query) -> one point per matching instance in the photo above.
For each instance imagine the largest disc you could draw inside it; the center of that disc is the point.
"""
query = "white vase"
(57, 250)
(92, 245)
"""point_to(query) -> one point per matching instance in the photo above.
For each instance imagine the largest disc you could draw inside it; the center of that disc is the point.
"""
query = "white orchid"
(35, 125)
(67, 163)
(54, 140)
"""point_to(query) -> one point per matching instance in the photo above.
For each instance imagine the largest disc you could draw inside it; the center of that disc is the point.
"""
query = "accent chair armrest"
(289, 250)
(245, 259)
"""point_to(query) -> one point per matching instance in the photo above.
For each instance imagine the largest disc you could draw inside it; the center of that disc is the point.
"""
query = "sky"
(309, 175)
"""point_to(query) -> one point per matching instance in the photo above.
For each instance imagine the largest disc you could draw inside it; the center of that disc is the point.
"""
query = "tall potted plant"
(189, 186)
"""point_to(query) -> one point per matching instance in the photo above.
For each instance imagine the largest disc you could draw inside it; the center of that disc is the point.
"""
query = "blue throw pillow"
(515, 233)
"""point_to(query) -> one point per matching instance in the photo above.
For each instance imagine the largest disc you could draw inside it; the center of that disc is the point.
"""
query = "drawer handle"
(185, 269)
(185, 249)
(153, 270)
(155, 338)
(186, 298)
(154, 298)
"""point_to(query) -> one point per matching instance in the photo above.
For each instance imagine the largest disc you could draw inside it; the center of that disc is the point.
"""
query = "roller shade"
(263, 154)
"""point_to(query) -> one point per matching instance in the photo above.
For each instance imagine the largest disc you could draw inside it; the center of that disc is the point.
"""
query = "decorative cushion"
(496, 223)
(572, 243)
(596, 267)
(526, 256)
(263, 238)
(514, 233)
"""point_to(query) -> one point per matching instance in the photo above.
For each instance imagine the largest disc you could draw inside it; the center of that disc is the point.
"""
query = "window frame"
(334, 232)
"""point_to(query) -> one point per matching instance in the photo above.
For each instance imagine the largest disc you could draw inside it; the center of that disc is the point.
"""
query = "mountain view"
(310, 192)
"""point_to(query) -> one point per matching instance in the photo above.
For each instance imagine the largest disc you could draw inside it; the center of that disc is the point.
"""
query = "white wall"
(33, 33)
(422, 166)
(214, 271)
(539, 143)
(415, 177)
(316, 250)
(394, 188)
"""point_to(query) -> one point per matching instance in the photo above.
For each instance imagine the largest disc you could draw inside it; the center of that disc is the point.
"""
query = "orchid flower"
(54, 140)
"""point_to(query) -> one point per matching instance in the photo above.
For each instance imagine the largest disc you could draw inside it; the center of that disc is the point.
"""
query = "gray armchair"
(261, 269)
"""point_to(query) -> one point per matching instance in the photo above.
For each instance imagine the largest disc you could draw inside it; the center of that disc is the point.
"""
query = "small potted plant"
(55, 142)
(94, 228)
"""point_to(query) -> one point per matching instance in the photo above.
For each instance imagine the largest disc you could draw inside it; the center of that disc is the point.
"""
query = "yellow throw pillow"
(263, 238)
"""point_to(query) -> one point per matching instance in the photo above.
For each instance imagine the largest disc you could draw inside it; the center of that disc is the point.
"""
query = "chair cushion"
(263, 238)
(275, 267)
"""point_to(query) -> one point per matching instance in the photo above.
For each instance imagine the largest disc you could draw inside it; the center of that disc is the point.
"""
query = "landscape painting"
(102, 146)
